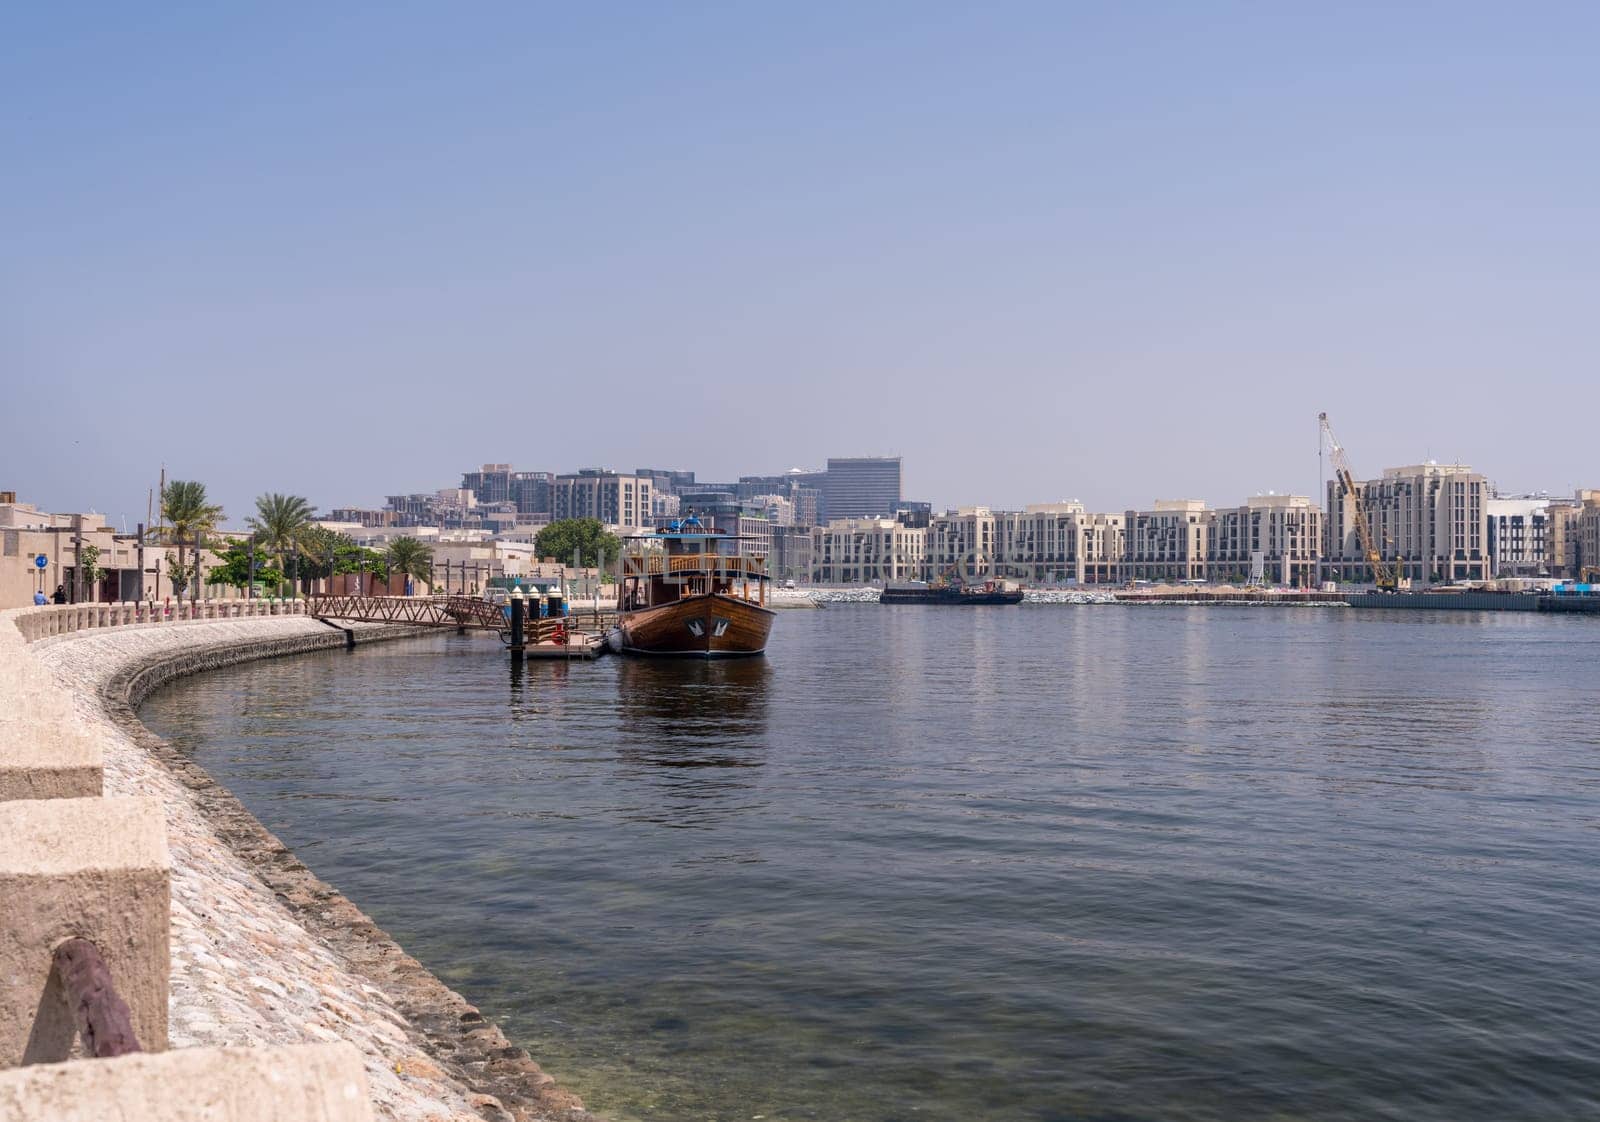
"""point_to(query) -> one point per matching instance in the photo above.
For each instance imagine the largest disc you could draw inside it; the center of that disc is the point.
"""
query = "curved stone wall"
(263, 951)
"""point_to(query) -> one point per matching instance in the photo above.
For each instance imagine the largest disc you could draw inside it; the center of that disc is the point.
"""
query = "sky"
(1110, 252)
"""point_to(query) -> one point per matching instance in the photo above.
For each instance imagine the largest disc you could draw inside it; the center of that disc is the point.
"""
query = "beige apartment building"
(616, 500)
(1056, 543)
(1169, 543)
(961, 543)
(1586, 562)
(1271, 539)
(1562, 535)
(1430, 519)
(864, 550)
(1571, 534)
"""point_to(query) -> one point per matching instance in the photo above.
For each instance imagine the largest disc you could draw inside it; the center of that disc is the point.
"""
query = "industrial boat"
(686, 590)
(952, 592)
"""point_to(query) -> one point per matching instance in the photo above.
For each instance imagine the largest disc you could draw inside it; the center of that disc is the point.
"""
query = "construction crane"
(1386, 577)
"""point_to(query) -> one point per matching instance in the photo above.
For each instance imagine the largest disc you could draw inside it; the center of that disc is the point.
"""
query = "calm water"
(942, 863)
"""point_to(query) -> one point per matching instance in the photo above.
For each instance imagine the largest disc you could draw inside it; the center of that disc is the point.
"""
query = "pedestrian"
(60, 596)
(39, 597)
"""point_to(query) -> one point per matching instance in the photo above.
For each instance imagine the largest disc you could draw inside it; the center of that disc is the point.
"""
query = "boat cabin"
(683, 559)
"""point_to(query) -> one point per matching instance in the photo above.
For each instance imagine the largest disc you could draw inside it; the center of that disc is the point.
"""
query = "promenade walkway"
(262, 953)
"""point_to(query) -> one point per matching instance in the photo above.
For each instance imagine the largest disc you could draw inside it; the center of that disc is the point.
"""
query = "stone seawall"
(263, 951)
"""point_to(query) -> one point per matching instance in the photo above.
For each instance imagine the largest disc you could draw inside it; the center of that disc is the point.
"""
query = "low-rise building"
(1586, 562)
(1271, 539)
(125, 567)
(1168, 543)
(1519, 535)
(1057, 543)
(1561, 536)
(961, 544)
(867, 550)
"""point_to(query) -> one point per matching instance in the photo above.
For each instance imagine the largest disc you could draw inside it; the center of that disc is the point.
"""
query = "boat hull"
(714, 626)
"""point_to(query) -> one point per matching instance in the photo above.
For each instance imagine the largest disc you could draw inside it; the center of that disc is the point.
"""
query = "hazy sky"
(1112, 252)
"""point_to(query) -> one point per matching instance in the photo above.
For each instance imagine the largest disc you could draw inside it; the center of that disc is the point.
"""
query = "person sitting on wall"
(39, 597)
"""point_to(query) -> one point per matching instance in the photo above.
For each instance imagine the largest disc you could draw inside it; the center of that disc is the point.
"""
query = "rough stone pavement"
(245, 971)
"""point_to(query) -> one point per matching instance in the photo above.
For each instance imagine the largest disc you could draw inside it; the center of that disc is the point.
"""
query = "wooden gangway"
(459, 612)
(579, 635)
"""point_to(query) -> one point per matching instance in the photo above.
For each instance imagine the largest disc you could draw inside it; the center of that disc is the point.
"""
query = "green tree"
(280, 524)
(89, 571)
(411, 557)
(587, 535)
(234, 566)
(328, 552)
(188, 514)
(178, 574)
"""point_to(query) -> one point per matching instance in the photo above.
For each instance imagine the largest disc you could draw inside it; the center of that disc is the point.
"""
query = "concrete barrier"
(301, 1083)
(45, 751)
(63, 619)
(95, 869)
(58, 763)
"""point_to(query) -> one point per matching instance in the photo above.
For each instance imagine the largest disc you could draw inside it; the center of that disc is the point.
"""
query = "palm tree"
(280, 524)
(411, 557)
(188, 514)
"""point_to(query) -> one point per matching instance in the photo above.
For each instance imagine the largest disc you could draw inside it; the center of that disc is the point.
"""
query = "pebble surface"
(245, 969)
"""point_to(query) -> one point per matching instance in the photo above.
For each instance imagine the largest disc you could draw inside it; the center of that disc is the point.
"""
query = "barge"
(990, 592)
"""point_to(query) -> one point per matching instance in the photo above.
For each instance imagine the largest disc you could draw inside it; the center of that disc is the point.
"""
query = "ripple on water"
(1029, 863)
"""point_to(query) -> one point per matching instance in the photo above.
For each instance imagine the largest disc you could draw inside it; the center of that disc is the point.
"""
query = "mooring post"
(517, 609)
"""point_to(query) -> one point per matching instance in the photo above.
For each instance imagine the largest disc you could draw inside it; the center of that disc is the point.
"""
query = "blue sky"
(1111, 252)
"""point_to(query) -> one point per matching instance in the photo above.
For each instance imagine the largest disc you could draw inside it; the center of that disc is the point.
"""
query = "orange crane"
(1386, 577)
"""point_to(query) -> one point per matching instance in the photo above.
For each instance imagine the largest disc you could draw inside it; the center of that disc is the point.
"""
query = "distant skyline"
(1041, 251)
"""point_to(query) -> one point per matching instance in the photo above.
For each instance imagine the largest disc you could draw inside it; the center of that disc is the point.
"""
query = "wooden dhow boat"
(688, 591)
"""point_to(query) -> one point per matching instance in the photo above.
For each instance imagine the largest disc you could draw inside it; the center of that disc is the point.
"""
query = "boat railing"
(659, 564)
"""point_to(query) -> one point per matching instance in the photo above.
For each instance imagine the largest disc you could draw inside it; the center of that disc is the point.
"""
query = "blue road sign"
(40, 561)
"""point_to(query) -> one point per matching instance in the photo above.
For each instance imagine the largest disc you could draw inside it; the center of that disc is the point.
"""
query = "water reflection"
(1021, 865)
(683, 710)
(697, 728)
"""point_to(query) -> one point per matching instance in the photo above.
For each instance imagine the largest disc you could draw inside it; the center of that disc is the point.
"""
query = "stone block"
(40, 762)
(300, 1083)
(97, 869)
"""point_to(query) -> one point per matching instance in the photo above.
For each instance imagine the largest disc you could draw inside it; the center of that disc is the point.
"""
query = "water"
(941, 863)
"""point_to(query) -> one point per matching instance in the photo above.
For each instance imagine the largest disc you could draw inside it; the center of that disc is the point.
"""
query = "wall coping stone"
(302, 1083)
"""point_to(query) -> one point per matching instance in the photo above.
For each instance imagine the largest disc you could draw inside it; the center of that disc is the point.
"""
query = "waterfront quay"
(214, 966)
